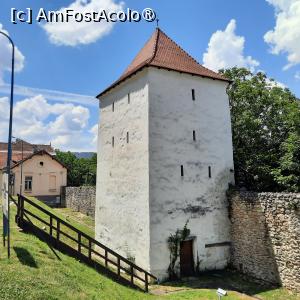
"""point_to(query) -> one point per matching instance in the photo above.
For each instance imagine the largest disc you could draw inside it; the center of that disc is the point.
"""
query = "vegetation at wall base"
(266, 132)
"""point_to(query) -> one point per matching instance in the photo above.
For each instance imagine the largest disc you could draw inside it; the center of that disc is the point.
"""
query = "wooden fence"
(77, 243)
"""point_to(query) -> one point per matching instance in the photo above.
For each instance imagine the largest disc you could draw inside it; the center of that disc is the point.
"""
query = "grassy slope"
(35, 272)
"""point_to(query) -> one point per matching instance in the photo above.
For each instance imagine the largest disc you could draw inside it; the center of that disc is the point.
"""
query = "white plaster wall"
(122, 196)
(173, 116)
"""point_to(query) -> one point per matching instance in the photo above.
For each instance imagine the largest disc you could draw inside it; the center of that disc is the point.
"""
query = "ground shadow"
(25, 257)
(225, 279)
(29, 227)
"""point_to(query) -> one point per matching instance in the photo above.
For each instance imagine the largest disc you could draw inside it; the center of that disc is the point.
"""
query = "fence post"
(119, 265)
(57, 231)
(18, 208)
(90, 249)
(131, 271)
(146, 282)
(51, 224)
(21, 210)
(105, 258)
(79, 242)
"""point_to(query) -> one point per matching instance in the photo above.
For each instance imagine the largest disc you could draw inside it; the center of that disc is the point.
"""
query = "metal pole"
(21, 185)
(9, 138)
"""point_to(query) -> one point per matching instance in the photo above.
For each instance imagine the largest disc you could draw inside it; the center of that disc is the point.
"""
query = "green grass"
(35, 272)
(78, 220)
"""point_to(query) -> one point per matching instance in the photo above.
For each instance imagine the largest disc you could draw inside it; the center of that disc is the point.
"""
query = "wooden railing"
(64, 235)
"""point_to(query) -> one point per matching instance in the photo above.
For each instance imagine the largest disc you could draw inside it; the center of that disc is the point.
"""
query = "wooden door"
(186, 258)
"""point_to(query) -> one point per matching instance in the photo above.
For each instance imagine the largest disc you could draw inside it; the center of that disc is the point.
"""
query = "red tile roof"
(28, 149)
(162, 52)
(16, 157)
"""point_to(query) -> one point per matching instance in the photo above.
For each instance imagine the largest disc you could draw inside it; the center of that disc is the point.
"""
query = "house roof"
(41, 152)
(27, 147)
(16, 163)
(162, 52)
(15, 157)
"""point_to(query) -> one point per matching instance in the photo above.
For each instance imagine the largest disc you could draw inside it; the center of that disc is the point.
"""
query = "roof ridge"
(163, 52)
(186, 52)
(155, 46)
(38, 153)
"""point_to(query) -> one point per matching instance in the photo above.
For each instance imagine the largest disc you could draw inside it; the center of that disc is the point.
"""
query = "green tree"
(81, 171)
(266, 132)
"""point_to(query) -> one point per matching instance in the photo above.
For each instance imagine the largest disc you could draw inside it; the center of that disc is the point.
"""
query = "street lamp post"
(9, 150)
(21, 185)
(22, 157)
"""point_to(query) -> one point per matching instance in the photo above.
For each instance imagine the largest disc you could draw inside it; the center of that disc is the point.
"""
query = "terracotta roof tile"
(16, 157)
(161, 51)
(17, 146)
(28, 149)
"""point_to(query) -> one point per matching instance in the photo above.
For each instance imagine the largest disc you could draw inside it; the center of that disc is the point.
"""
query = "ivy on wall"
(174, 246)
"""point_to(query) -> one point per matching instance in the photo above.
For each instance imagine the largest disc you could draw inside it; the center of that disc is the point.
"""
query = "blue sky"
(259, 34)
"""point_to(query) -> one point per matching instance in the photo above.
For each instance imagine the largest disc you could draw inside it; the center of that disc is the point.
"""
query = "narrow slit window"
(209, 171)
(193, 94)
(113, 141)
(127, 137)
(113, 106)
(128, 98)
(181, 170)
(194, 135)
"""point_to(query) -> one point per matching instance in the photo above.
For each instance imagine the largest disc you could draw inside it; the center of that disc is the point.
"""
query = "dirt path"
(160, 290)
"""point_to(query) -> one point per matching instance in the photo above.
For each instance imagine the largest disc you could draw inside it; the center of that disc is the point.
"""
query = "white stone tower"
(164, 160)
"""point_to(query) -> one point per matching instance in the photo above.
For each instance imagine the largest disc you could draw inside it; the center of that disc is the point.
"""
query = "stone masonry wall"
(265, 236)
(82, 198)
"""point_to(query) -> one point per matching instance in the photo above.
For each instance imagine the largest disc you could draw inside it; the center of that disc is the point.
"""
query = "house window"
(113, 141)
(113, 106)
(128, 98)
(28, 183)
(41, 163)
(193, 94)
(127, 137)
(194, 135)
(181, 170)
(209, 171)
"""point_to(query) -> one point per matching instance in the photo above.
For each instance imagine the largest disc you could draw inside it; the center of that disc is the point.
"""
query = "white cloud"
(6, 54)
(38, 121)
(74, 33)
(4, 113)
(297, 75)
(50, 94)
(72, 120)
(285, 36)
(226, 49)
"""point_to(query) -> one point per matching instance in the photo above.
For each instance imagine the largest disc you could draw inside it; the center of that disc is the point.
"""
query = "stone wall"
(265, 235)
(82, 198)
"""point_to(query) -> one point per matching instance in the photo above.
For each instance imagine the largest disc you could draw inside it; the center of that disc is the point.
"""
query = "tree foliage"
(266, 132)
(81, 171)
